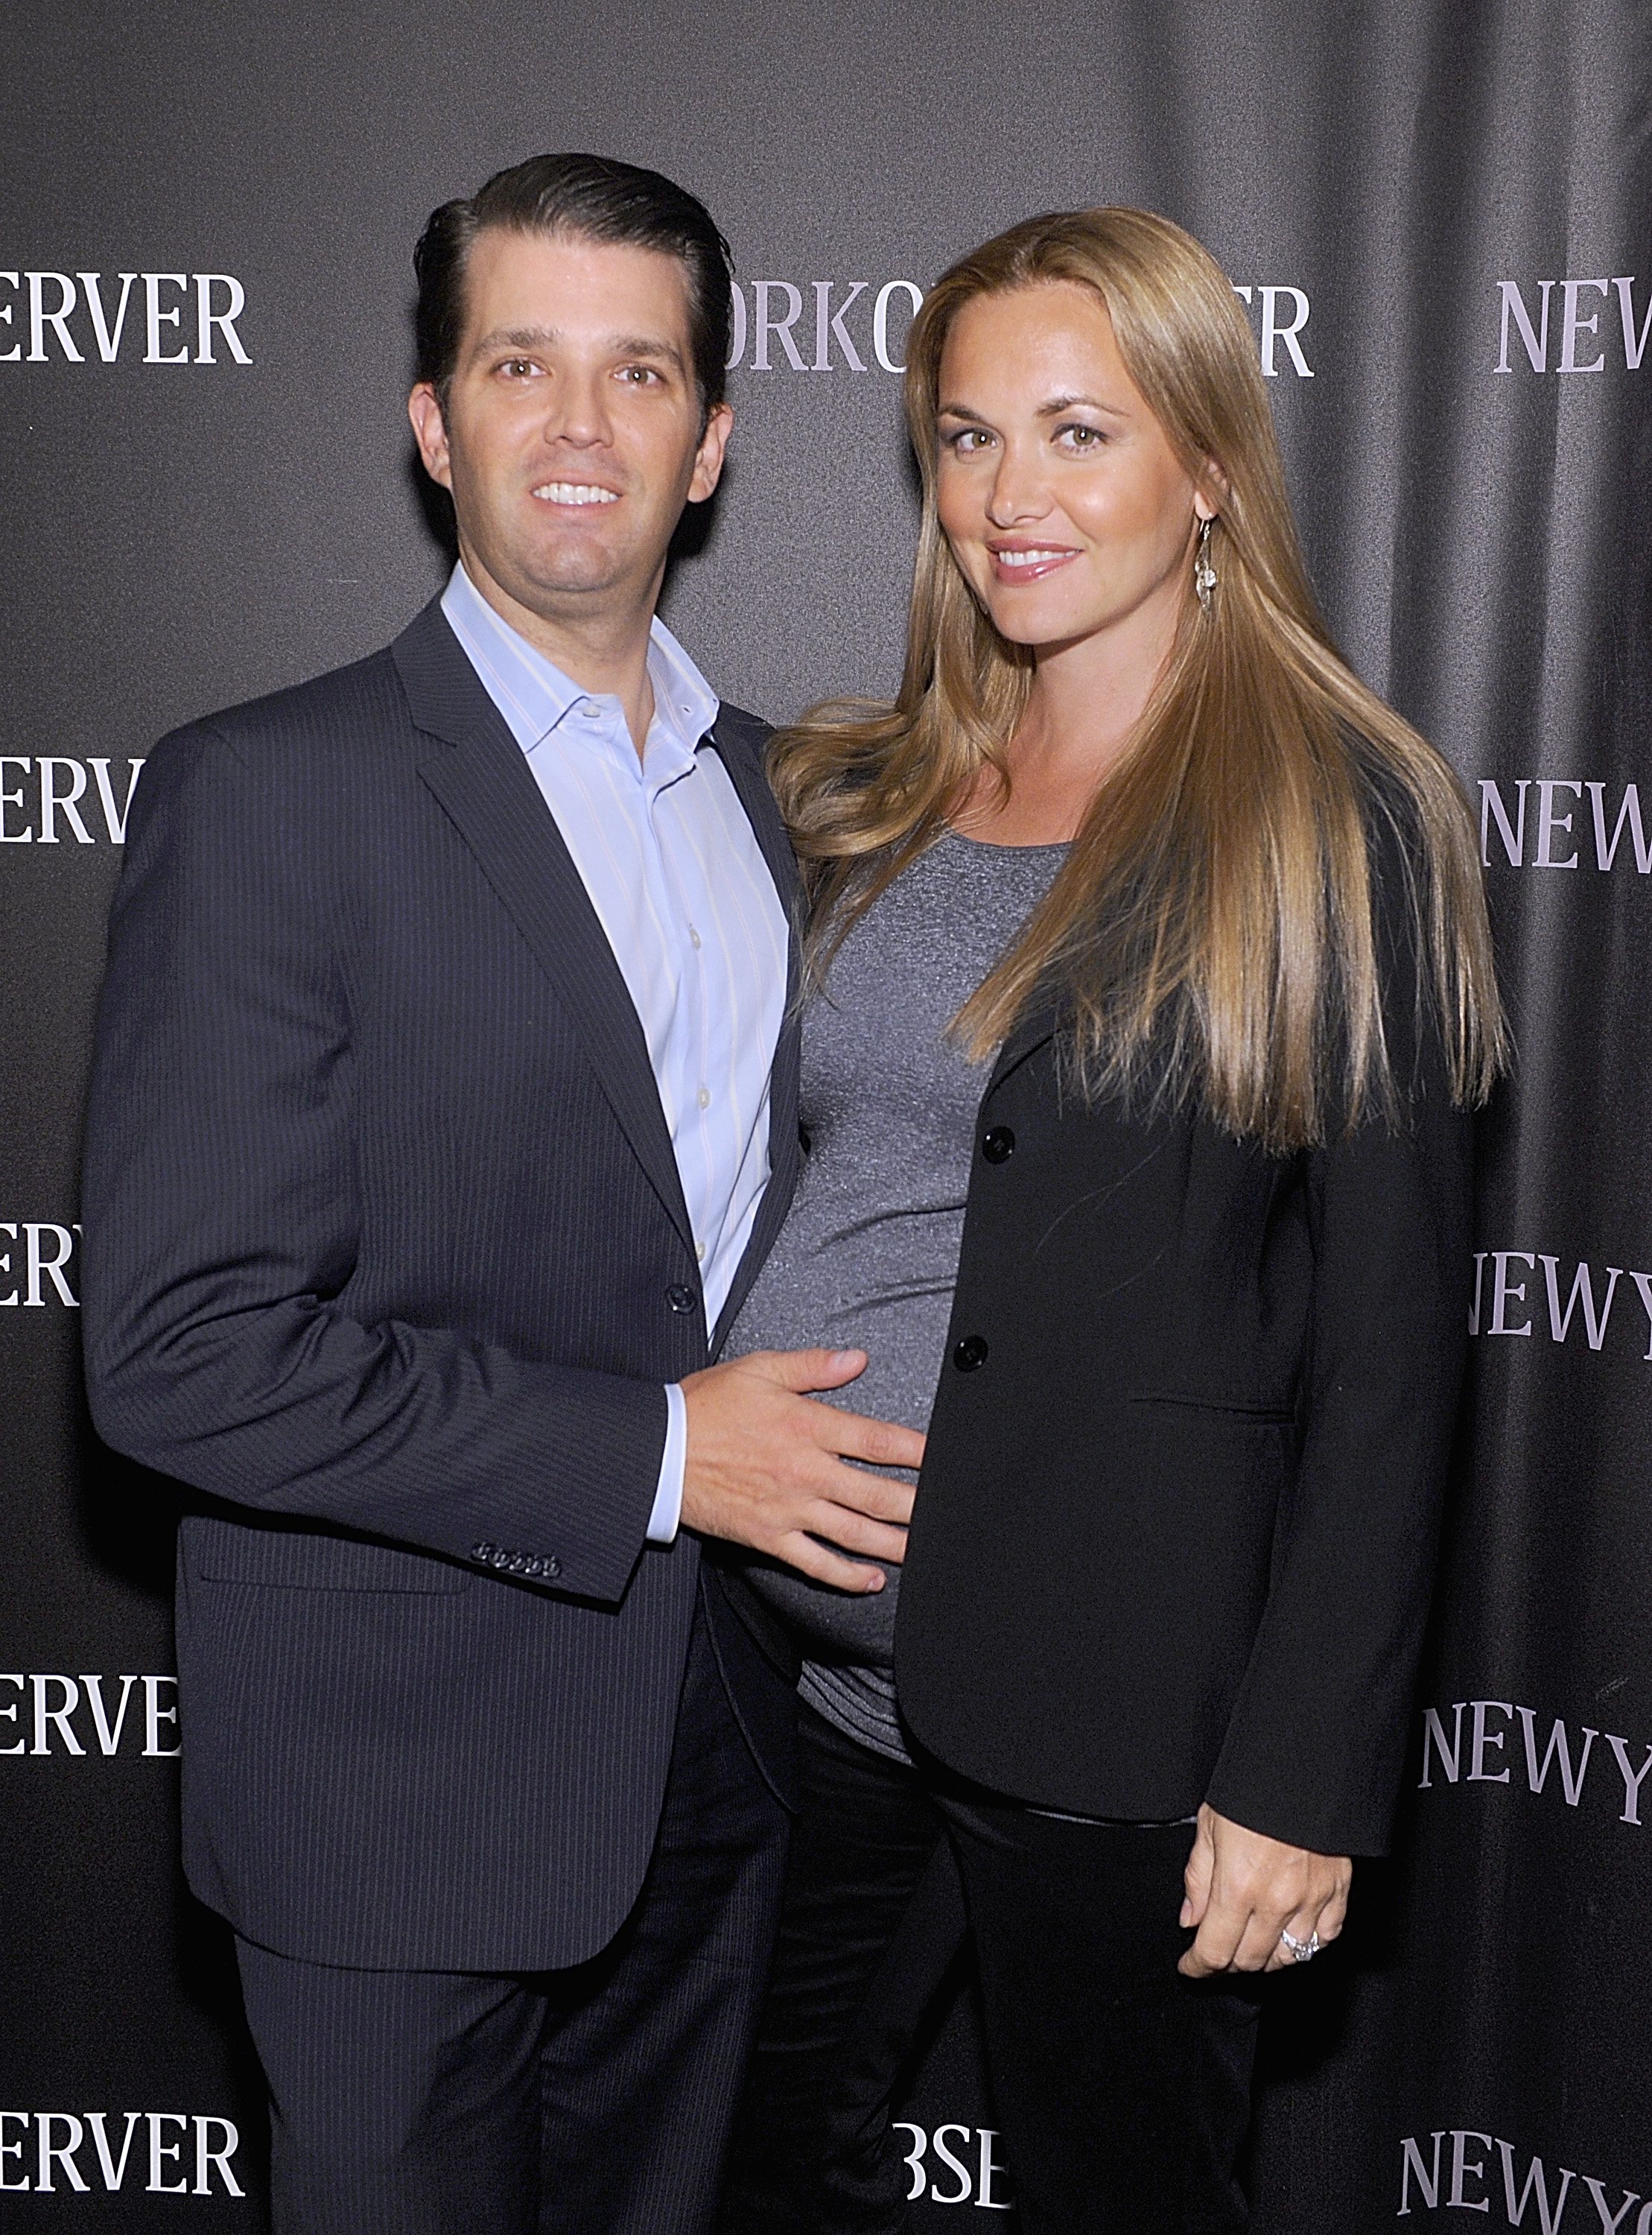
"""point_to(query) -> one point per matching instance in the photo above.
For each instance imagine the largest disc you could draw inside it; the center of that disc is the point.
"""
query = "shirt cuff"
(668, 1498)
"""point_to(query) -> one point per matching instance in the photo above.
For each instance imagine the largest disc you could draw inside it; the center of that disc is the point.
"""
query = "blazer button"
(969, 1354)
(551, 1565)
(679, 1298)
(997, 1145)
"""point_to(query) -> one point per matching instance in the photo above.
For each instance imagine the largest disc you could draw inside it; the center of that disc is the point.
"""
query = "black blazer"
(386, 1252)
(1176, 1527)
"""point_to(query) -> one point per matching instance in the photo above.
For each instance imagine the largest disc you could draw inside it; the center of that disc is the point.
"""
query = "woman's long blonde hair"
(1211, 933)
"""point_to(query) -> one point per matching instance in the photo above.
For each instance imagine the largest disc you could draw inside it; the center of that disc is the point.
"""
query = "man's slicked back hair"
(581, 198)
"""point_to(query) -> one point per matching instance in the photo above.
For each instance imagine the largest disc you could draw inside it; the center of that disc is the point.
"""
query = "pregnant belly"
(904, 1337)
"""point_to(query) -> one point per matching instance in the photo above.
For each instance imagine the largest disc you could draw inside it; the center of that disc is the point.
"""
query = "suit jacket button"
(997, 1143)
(681, 1298)
(552, 1565)
(482, 1552)
(969, 1354)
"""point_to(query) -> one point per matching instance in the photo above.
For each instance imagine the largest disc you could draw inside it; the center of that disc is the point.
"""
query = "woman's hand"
(1245, 1889)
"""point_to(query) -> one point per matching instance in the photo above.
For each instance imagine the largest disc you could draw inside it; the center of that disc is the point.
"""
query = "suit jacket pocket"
(302, 1560)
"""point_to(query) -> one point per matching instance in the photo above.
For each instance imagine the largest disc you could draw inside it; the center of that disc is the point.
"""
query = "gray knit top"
(868, 1256)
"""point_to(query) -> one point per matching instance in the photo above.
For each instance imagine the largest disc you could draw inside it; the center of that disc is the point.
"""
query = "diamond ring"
(1303, 1952)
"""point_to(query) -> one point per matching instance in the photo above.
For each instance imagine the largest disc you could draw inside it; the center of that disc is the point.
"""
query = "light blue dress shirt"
(681, 887)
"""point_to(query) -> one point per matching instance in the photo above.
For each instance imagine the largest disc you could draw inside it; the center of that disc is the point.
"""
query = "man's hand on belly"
(765, 1465)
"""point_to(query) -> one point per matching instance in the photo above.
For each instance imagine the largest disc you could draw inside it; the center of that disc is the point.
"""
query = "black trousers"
(1122, 2090)
(872, 1930)
(590, 2101)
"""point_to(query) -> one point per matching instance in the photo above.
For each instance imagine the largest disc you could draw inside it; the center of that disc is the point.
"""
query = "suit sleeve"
(1315, 1749)
(220, 1225)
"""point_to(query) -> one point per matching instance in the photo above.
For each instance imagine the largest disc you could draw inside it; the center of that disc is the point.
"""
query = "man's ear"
(430, 432)
(707, 460)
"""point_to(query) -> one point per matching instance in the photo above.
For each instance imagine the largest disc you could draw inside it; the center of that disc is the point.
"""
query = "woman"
(1233, 1001)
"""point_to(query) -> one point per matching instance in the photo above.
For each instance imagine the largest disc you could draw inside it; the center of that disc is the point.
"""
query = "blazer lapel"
(1035, 1025)
(481, 777)
(746, 774)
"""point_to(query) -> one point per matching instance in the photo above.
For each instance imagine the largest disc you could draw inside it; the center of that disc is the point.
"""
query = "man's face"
(570, 438)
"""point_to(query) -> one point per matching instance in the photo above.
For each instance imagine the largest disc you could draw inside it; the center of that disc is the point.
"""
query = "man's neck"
(604, 652)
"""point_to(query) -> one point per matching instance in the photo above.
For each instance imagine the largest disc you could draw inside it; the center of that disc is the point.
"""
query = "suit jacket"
(386, 1254)
(1175, 1529)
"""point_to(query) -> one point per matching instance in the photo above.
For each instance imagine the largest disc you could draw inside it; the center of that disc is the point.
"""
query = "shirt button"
(694, 936)
(591, 709)
(700, 1252)
(704, 1097)
(679, 1298)
(970, 1352)
(997, 1145)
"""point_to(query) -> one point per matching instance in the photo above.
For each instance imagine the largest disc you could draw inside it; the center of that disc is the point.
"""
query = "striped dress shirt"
(680, 888)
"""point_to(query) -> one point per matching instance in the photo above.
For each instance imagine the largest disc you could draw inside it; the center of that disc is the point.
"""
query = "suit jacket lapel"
(482, 779)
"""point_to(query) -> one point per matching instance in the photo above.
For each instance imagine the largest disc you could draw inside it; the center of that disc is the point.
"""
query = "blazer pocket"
(1224, 1407)
(298, 1560)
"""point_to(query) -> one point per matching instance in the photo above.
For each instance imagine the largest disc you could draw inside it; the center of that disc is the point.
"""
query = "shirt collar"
(534, 695)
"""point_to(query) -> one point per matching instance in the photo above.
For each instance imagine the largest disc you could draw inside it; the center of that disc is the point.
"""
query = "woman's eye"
(1080, 437)
(970, 441)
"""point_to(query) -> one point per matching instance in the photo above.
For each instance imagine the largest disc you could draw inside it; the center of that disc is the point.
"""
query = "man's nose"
(579, 411)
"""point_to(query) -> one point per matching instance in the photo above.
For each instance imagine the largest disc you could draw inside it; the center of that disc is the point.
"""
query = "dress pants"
(595, 2101)
(871, 1932)
(1122, 2090)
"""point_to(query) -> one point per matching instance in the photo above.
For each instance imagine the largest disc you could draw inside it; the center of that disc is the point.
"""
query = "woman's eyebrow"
(1059, 403)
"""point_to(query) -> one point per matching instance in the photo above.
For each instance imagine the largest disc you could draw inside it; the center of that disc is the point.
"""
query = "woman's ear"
(1210, 492)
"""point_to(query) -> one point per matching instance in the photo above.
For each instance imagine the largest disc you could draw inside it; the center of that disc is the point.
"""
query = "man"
(444, 1106)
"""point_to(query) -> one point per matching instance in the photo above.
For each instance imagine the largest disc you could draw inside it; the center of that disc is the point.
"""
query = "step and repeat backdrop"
(1439, 214)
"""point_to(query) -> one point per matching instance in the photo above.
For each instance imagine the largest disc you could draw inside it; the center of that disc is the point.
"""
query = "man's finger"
(880, 1443)
(825, 1566)
(854, 1533)
(856, 1492)
(803, 1370)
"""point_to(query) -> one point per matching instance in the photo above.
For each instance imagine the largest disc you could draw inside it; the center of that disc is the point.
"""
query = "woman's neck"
(1086, 698)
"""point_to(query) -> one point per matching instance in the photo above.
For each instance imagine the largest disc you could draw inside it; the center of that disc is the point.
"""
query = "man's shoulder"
(740, 731)
(328, 729)
(364, 699)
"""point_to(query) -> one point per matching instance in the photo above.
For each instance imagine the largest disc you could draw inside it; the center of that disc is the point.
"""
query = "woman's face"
(1063, 501)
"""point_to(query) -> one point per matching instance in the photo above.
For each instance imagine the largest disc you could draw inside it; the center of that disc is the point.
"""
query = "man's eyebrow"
(533, 337)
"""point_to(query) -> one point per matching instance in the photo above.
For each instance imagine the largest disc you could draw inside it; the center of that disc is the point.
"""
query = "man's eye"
(639, 376)
(518, 367)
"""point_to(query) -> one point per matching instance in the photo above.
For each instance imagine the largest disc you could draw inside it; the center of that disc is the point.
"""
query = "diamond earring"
(1204, 573)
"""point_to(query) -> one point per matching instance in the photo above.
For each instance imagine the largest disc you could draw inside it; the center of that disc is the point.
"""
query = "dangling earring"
(1204, 573)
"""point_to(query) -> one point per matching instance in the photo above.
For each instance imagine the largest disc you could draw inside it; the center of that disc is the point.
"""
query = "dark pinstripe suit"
(383, 1231)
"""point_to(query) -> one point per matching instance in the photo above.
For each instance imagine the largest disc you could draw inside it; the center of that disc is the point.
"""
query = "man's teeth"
(1028, 558)
(576, 493)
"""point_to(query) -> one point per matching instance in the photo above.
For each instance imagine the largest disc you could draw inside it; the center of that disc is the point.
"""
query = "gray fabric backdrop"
(1441, 209)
